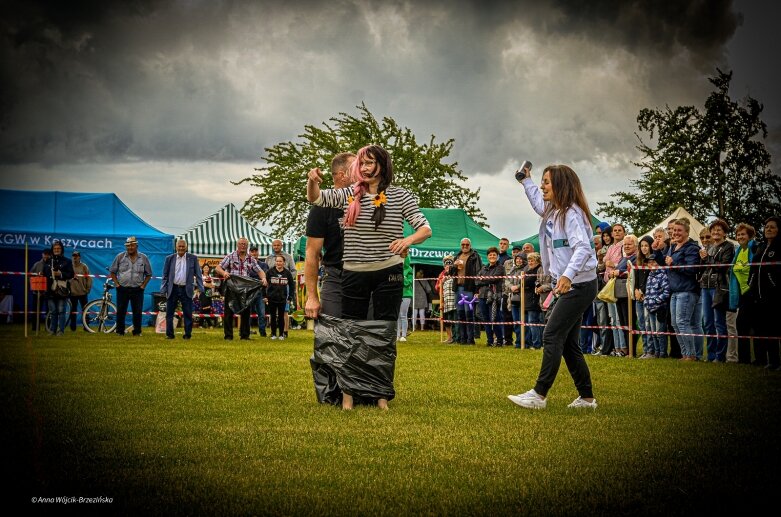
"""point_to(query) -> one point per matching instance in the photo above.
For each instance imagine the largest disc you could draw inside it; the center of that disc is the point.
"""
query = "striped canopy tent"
(216, 235)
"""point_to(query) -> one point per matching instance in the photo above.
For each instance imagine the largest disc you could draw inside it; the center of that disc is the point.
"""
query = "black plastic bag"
(239, 292)
(354, 357)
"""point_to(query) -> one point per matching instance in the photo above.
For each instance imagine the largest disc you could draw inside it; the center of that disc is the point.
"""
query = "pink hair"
(359, 188)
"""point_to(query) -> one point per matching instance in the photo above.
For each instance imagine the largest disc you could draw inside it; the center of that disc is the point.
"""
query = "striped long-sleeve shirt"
(366, 249)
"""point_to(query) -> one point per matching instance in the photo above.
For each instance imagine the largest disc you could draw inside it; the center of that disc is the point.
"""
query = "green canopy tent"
(534, 239)
(448, 226)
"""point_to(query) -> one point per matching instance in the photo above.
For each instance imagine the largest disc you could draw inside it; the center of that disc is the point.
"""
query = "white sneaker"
(273, 337)
(281, 338)
(579, 402)
(402, 338)
(530, 400)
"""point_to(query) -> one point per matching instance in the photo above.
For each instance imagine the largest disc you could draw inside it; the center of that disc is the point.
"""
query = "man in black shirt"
(323, 230)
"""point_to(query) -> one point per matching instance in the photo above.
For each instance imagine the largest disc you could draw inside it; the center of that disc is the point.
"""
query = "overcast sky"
(164, 103)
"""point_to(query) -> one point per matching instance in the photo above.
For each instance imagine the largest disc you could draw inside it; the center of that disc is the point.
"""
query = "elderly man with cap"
(130, 271)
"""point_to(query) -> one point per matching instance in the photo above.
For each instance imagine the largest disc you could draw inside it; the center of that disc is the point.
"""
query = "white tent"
(695, 227)
(216, 235)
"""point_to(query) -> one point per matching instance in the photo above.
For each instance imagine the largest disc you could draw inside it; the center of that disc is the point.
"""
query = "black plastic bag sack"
(355, 357)
(239, 292)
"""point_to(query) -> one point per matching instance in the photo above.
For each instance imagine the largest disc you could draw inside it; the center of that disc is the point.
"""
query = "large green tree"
(420, 168)
(713, 163)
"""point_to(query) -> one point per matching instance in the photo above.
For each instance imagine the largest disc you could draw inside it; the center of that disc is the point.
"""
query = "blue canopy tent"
(95, 224)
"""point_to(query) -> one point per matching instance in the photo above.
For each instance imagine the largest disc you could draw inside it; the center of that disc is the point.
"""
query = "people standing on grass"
(613, 256)
(489, 284)
(621, 274)
(739, 299)
(59, 268)
(131, 271)
(181, 276)
(684, 251)
(238, 263)
(280, 292)
(765, 293)
(714, 289)
(373, 244)
(80, 286)
(644, 253)
(467, 263)
(656, 304)
(565, 247)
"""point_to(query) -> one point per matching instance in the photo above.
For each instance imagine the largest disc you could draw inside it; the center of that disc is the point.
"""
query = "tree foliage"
(420, 168)
(713, 163)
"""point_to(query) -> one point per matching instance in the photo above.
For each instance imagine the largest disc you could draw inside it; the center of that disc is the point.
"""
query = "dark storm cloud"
(105, 81)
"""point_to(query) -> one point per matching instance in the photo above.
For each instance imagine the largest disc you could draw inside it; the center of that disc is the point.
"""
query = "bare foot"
(382, 404)
(347, 401)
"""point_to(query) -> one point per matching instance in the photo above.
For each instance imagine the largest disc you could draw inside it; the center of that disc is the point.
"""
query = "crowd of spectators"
(716, 301)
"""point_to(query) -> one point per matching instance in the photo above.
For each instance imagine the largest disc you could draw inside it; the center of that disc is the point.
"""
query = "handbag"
(515, 297)
(607, 294)
(620, 288)
(60, 288)
(548, 300)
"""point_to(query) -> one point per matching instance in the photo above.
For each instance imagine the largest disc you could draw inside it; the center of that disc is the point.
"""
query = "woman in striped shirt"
(374, 241)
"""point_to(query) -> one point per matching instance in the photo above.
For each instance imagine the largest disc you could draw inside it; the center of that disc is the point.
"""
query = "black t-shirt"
(323, 223)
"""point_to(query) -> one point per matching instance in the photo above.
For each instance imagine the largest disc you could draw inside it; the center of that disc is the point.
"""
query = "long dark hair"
(360, 187)
(567, 191)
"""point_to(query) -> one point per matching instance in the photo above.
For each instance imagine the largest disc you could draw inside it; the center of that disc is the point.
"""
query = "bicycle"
(101, 315)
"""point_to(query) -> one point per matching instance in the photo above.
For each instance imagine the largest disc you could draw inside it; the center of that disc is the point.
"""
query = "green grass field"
(215, 427)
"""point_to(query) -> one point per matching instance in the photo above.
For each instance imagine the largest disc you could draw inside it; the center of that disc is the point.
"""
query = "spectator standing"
(58, 268)
(527, 248)
(656, 304)
(739, 287)
(714, 289)
(505, 260)
(601, 309)
(468, 264)
(290, 264)
(535, 283)
(512, 288)
(238, 263)
(131, 271)
(621, 274)
(644, 253)
(280, 288)
(181, 275)
(406, 302)
(80, 286)
(420, 303)
(489, 286)
(259, 305)
(684, 289)
(613, 256)
(205, 297)
(765, 289)
(444, 286)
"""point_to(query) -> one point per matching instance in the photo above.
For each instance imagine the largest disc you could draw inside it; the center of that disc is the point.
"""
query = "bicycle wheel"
(95, 314)
(67, 310)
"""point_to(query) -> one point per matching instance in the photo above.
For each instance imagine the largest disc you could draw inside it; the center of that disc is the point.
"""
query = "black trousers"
(276, 311)
(134, 295)
(384, 289)
(73, 317)
(561, 337)
(227, 323)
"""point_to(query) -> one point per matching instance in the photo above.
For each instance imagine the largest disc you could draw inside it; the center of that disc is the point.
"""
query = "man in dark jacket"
(468, 264)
